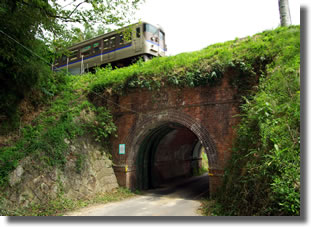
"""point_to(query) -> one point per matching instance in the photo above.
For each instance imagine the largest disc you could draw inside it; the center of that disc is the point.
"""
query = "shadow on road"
(190, 188)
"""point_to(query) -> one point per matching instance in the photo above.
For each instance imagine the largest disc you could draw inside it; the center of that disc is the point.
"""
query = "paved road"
(178, 199)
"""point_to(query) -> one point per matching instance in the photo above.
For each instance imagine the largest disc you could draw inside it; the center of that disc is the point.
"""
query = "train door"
(137, 40)
(162, 45)
(112, 44)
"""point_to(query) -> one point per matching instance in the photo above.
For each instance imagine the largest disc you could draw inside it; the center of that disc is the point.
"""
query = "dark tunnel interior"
(168, 154)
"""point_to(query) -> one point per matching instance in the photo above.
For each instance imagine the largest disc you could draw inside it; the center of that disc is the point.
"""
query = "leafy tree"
(76, 34)
(31, 30)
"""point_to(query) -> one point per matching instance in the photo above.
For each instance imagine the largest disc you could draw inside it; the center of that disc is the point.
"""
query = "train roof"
(109, 33)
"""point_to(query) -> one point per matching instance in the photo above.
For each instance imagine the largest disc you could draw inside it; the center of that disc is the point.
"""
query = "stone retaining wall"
(35, 182)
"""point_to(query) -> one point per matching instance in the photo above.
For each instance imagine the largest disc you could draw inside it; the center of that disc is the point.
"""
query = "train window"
(121, 39)
(106, 44)
(96, 47)
(138, 32)
(113, 41)
(73, 55)
(126, 36)
(150, 28)
(85, 49)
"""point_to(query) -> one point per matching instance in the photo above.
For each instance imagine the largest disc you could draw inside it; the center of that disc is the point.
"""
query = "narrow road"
(178, 199)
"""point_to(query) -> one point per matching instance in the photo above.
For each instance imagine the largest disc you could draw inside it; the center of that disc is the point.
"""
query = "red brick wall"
(207, 111)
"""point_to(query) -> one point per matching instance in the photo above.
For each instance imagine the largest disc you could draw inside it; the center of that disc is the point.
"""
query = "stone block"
(16, 176)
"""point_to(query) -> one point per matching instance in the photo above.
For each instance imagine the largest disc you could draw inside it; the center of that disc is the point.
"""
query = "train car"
(144, 40)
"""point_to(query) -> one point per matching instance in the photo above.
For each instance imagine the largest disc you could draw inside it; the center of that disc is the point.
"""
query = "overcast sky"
(194, 24)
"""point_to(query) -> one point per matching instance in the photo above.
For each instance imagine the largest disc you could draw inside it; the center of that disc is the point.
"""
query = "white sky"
(194, 24)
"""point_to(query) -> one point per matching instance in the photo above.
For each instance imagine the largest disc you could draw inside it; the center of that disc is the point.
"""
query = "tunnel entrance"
(169, 153)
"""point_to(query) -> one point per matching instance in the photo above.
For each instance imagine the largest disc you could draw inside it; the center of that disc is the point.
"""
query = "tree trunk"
(284, 13)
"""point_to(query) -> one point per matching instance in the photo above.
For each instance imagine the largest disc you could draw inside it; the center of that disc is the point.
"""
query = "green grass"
(248, 56)
(263, 177)
(44, 138)
(62, 205)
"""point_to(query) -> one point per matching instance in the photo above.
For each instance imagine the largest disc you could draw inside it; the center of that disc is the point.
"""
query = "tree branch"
(49, 13)
(76, 7)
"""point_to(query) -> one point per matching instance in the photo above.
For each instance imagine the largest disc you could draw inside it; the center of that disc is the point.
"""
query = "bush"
(45, 137)
(263, 177)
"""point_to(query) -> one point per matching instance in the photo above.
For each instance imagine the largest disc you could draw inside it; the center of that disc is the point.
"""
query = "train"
(140, 40)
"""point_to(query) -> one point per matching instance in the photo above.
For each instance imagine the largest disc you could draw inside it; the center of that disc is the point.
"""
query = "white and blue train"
(144, 40)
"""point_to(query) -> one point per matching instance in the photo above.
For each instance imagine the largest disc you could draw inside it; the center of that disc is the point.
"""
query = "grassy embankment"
(263, 177)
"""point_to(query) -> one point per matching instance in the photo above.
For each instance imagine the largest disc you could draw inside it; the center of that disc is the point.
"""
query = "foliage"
(20, 70)
(263, 177)
(49, 19)
(27, 28)
(204, 166)
(76, 34)
(181, 70)
(103, 125)
(79, 162)
(21, 75)
(31, 32)
(208, 206)
(247, 56)
(45, 138)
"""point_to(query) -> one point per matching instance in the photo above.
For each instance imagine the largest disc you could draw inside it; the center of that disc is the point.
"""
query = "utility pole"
(284, 13)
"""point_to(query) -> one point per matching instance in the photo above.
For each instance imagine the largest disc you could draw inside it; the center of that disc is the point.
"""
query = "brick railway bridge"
(164, 132)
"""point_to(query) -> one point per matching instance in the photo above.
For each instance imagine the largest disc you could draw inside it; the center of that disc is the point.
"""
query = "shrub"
(263, 177)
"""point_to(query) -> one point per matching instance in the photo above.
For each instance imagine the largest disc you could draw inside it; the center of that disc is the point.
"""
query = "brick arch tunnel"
(168, 153)
(164, 146)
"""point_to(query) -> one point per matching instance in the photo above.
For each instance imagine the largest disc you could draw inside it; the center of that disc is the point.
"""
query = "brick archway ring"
(153, 120)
